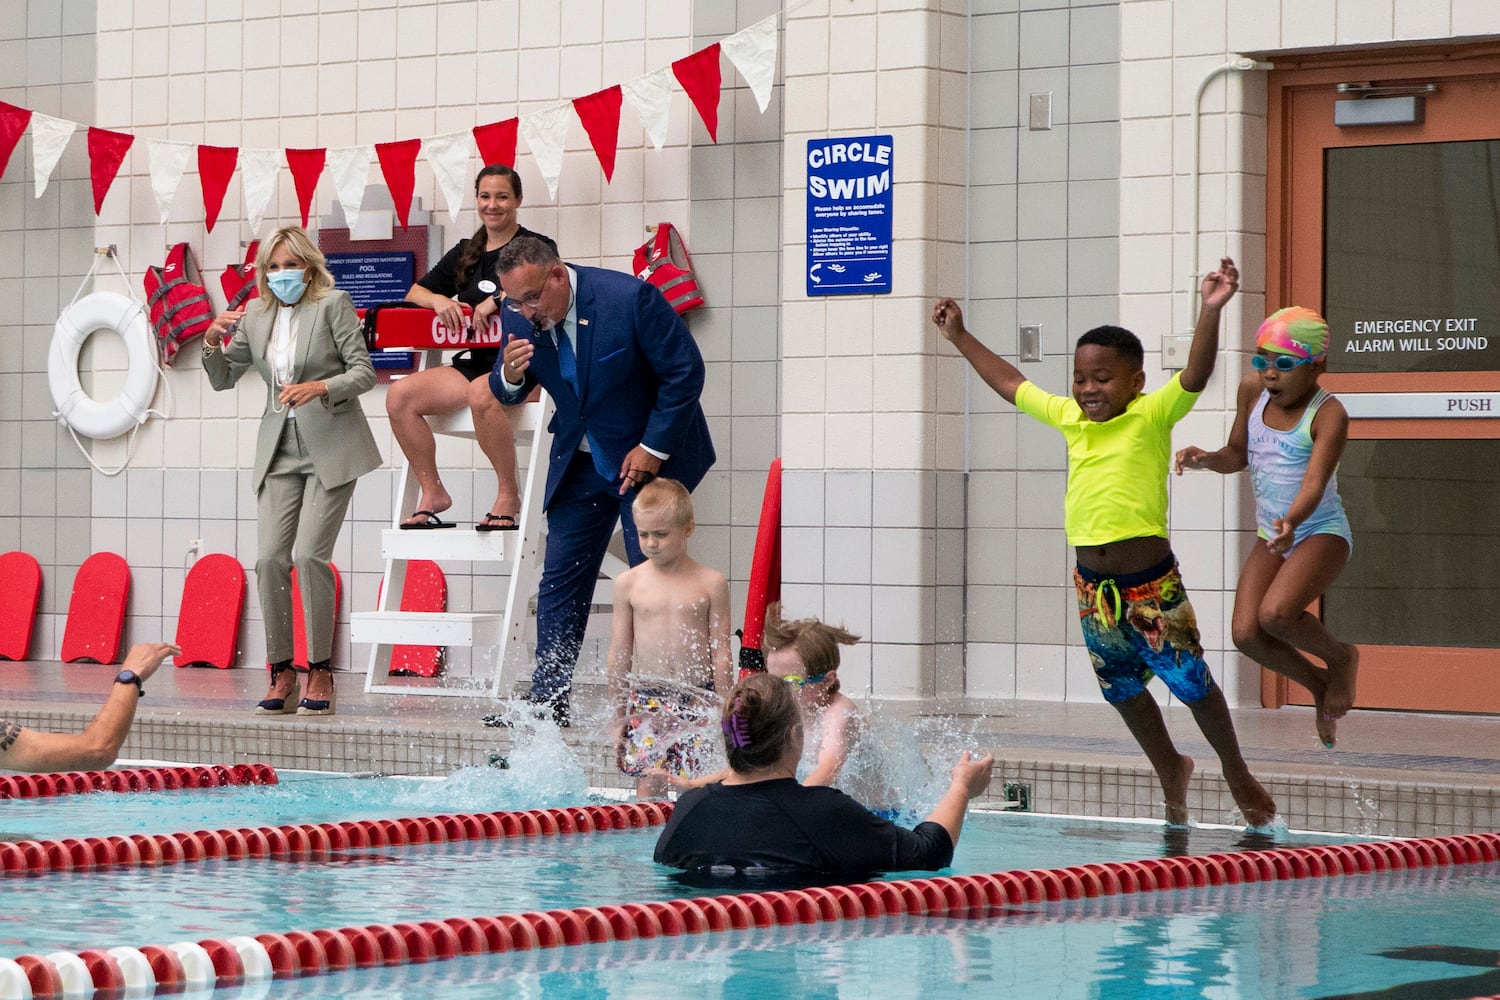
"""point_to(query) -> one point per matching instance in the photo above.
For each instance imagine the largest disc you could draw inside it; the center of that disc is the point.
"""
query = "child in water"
(669, 646)
(1291, 433)
(804, 652)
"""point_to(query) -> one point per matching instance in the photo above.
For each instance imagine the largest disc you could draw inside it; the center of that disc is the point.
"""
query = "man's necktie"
(567, 364)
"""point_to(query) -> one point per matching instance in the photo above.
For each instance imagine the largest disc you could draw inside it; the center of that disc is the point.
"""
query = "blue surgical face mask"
(288, 284)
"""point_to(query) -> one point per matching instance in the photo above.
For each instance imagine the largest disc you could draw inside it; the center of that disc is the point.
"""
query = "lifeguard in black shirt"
(760, 819)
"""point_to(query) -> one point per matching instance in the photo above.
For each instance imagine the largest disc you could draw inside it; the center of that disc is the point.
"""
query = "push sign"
(849, 216)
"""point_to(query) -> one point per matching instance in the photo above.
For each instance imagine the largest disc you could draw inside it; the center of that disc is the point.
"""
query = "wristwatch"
(131, 677)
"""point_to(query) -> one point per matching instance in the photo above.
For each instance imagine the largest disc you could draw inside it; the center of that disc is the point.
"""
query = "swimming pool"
(1270, 941)
(76, 911)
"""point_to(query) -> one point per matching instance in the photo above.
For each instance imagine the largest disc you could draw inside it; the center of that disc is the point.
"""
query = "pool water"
(78, 910)
(1426, 933)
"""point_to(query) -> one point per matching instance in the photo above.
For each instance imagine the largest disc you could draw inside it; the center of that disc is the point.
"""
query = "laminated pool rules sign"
(849, 216)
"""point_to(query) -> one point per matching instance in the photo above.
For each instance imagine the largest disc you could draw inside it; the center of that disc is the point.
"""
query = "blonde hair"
(815, 643)
(300, 246)
(668, 496)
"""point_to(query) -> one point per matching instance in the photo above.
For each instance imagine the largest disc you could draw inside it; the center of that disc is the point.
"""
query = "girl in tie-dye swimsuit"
(1291, 433)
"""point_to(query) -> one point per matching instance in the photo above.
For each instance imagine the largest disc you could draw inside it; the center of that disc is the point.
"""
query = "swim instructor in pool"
(23, 749)
(759, 819)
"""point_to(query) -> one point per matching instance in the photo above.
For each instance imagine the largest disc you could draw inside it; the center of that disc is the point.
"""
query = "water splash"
(895, 765)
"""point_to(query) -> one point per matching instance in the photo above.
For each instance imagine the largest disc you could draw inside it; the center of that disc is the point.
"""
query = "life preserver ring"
(75, 408)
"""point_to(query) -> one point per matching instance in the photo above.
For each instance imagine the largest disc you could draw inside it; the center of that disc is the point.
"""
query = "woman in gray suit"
(301, 334)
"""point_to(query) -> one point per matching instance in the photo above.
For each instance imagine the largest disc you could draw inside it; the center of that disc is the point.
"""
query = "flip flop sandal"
(497, 522)
(432, 522)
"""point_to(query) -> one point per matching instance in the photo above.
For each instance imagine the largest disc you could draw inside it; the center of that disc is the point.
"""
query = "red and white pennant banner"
(752, 51)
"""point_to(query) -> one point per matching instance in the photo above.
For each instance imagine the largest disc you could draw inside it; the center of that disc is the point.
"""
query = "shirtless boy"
(669, 646)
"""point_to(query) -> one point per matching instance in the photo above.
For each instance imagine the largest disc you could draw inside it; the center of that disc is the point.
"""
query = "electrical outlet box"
(1174, 351)
(1029, 347)
(1039, 112)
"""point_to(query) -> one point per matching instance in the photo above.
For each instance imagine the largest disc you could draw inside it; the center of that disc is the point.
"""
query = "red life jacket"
(663, 260)
(176, 300)
(239, 281)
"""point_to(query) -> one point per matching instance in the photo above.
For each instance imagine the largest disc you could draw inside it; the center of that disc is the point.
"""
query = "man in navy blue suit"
(625, 376)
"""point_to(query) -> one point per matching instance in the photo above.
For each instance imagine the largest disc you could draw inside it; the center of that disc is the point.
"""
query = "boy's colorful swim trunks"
(1141, 625)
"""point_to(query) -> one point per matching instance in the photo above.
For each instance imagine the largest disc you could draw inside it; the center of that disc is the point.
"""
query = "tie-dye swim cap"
(1294, 330)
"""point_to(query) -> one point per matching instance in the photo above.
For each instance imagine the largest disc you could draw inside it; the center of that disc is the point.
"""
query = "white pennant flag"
(49, 137)
(258, 169)
(169, 159)
(449, 157)
(651, 97)
(350, 169)
(546, 133)
(753, 52)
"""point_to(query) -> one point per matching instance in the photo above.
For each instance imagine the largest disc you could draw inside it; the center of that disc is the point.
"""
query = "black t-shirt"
(783, 826)
(442, 279)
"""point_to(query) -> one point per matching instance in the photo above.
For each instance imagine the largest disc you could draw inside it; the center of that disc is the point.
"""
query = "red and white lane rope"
(226, 962)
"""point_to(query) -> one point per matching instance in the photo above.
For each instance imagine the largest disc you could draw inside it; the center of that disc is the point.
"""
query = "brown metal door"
(1393, 231)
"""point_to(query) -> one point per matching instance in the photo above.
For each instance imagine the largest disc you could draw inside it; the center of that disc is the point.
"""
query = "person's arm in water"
(999, 374)
(1235, 455)
(970, 779)
(23, 749)
(1217, 289)
(833, 748)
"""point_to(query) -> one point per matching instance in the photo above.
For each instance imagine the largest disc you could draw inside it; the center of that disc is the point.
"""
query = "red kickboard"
(420, 328)
(96, 611)
(299, 624)
(208, 624)
(765, 574)
(426, 589)
(20, 589)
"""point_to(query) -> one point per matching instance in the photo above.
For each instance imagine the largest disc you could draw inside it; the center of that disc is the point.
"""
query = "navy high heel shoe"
(279, 706)
(318, 706)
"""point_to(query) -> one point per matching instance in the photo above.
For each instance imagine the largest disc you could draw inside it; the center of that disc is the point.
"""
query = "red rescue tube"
(765, 574)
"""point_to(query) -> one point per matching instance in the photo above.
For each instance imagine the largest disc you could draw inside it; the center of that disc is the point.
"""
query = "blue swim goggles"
(1283, 362)
(799, 682)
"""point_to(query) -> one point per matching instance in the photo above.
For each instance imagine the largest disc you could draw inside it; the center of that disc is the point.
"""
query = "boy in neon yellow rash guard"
(1135, 614)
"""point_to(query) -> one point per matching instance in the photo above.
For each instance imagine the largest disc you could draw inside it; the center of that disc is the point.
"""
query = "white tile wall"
(334, 73)
(1081, 224)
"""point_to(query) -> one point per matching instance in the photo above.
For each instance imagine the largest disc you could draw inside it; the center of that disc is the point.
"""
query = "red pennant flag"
(106, 152)
(497, 141)
(306, 166)
(600, 114)
(398, 162)
(699, 76)
(13, 122)
(215, 168)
